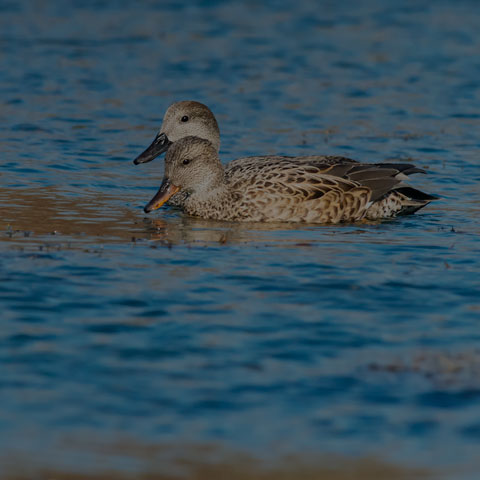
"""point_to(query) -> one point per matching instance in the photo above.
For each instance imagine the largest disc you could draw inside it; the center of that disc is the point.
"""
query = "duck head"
(192, 167)
(182, 119)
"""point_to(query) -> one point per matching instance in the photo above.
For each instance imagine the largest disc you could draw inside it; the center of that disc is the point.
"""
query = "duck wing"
(285, 189)
(308, 159)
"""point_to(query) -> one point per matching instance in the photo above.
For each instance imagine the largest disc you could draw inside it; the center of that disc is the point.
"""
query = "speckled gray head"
(192, 165)
(183, 119)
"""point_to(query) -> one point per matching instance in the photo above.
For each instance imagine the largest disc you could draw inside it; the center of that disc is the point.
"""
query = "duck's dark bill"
(158, 146)
(165, 191)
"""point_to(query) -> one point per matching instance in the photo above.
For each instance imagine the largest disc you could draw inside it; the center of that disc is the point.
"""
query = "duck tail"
(402, 200)
(414, 200)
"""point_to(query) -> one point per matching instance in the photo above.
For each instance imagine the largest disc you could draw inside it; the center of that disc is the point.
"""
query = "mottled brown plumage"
(283, 189)
(190, 118)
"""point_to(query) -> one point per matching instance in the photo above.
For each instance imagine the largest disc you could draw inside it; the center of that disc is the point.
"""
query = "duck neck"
(215, 203)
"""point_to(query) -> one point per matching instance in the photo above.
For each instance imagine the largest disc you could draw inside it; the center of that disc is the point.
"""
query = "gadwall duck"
(282, 189)
(189, 118)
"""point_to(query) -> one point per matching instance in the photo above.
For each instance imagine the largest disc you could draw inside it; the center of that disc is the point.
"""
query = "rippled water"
(271, 340)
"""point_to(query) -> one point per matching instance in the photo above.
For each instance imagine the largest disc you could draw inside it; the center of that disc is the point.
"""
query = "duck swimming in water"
(190, 118)
(283, 189)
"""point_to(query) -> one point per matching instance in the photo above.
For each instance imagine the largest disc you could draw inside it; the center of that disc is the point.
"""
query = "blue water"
(357, 340)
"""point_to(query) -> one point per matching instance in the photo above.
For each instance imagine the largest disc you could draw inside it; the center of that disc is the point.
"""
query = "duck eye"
(186, 161)
(184, 118)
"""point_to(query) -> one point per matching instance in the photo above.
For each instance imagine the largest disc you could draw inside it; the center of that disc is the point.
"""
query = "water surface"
(269, 341)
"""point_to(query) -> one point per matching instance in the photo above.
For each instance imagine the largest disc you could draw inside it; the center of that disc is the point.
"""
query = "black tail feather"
(415, 194)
